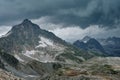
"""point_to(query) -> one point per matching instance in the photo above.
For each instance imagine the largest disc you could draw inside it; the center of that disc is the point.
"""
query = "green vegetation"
(103, 69)
(72, 57)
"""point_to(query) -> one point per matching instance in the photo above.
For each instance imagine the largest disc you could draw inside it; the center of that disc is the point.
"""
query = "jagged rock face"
(89, 44)
(24, 35)
(19, 36)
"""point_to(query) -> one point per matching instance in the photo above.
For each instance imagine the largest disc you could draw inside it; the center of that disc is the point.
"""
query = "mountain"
(111, 45)
(27, 34)
(90, 44)
(29, 51)
(28, 41)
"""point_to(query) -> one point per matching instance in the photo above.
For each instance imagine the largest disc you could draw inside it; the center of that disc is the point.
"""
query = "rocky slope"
(4, 75)
(99, 68)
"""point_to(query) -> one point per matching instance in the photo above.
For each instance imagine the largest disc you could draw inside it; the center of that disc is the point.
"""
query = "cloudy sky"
(68, 19)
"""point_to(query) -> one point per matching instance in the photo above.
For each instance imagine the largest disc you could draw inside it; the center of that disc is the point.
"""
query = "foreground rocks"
(4, 75)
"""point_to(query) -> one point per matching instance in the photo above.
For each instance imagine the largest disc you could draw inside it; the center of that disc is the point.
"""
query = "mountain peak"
(86, 38)
(26, 21)
(24, 30)
(26, 25)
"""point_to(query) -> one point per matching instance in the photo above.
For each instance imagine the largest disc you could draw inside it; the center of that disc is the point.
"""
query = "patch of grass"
(103, 69)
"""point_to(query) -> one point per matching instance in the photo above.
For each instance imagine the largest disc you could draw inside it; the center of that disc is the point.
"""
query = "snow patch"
(30, 76)
(39, 56)
(7, 34)
(46, 58)
(17, 57)
(44, 42)
(29, 54)
(85, 41)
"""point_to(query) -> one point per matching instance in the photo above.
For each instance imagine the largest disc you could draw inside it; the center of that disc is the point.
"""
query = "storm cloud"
(73, 33)
(68, 19)
(68, 12)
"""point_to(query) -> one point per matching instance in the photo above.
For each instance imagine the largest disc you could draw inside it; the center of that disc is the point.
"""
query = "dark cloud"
(68, 12)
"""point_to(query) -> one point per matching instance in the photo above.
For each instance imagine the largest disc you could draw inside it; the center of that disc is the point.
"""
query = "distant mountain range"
(90, 44)
(111, 45)
(107, 47)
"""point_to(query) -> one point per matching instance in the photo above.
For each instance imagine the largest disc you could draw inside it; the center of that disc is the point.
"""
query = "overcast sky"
(68, 19)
